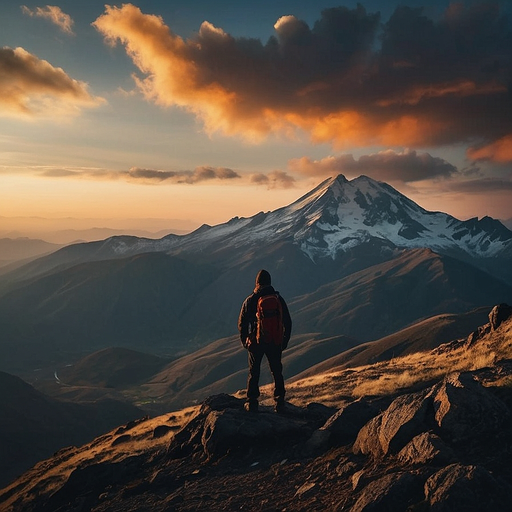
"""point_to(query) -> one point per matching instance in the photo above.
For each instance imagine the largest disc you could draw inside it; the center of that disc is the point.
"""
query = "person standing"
(255, 320)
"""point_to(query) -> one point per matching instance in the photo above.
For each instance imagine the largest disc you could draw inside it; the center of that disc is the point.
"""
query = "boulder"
(394, 492)
(467, 411)
(426, 448)
(367, 441)
(391, 430)
(346, 423)
(466, 489)
(222, 426)
(232, 430)
(404, 419)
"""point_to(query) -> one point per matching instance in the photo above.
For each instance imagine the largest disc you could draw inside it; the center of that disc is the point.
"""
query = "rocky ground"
(442, 444)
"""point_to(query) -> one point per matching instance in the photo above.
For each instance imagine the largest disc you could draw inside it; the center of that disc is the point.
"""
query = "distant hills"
(352, 258)
(158, 385)
(16, 250)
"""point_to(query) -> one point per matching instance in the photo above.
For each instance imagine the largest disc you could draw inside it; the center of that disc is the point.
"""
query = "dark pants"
(273, 353)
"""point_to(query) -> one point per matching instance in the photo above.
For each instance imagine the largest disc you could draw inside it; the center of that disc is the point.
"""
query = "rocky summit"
(438, 444)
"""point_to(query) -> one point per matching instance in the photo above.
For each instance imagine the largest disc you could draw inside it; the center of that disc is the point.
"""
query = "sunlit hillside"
(484, 348)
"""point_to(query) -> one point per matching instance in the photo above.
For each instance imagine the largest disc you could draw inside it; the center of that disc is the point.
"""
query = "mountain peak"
(340, 214)
(335, 217)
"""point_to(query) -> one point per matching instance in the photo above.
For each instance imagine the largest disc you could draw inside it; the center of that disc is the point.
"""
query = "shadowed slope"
(420, 337)
(440, 441)
(33, 426)
(387, 297)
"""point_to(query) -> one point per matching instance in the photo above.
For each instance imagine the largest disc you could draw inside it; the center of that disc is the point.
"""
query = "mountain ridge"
(333, 218)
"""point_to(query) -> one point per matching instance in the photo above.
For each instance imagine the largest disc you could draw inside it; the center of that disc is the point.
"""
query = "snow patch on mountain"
(351, 212)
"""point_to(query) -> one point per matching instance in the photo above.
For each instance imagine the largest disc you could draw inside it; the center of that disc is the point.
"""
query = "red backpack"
(269, 316)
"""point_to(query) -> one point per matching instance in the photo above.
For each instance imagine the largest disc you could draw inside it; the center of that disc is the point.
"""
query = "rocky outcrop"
(498, 315)
(443, 448)
(469, 488)
(455, 436)
(405, 418)
(223, 427)
(467, 412)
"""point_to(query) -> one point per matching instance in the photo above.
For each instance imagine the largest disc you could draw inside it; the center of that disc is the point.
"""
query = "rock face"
(223, 427)
(465, 411)
(433, 432)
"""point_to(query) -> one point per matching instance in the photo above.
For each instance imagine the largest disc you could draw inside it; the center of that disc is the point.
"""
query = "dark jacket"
(247, 318)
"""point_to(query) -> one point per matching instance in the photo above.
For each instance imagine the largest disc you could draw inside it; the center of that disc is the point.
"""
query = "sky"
(170, 114)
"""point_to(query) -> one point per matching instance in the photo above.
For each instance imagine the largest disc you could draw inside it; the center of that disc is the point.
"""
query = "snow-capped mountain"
(336, 216)
(342, 214)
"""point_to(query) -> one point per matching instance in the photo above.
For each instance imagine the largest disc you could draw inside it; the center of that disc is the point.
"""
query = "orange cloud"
(54, 14)
(499, 151)
(173, 78)
(33, 87)
(421, 84)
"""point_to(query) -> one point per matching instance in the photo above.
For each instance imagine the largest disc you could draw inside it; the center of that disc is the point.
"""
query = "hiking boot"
(251, 406)
(280, 406)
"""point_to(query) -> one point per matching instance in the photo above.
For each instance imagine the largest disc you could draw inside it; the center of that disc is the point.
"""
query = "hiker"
(265, 327)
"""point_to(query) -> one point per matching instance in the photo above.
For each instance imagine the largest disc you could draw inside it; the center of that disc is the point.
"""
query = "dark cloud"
(199, 174)
(350, 79)
(482, 186)
(408, 166)
(190, 177)
(273, 180)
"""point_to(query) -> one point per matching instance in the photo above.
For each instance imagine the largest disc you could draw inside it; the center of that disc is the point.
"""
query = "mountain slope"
(430, 431)
(33, 426)
(162, 304)
(140, 301)
(387, 297)
(420, 337)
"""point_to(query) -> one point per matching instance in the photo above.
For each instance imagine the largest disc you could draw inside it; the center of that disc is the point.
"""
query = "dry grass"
(53, 472)
(403, 373)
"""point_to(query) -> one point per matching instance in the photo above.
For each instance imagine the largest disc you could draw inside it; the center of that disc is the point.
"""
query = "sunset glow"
(189, 114)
